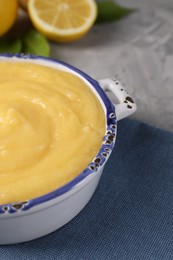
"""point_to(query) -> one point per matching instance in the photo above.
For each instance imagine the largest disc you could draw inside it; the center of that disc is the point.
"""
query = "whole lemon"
(8, 14)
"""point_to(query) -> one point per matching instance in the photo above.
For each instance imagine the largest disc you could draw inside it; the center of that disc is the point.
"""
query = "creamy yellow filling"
(51, 128)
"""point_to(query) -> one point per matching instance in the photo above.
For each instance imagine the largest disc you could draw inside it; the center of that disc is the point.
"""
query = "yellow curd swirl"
(51, 128)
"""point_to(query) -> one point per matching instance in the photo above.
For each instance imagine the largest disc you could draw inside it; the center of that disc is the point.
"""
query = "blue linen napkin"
(131, 213)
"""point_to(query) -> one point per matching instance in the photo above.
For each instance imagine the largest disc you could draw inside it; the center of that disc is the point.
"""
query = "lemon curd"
(51, 128)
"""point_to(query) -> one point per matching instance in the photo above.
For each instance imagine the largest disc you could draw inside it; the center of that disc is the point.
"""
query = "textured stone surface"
(138, 51)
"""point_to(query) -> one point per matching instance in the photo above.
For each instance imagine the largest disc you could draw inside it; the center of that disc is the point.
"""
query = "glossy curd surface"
(51, 128)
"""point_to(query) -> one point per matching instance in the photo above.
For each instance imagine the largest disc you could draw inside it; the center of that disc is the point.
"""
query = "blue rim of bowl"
(99, 160)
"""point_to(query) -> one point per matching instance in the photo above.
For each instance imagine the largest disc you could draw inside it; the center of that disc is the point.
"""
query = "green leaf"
(35, 43)
(109, 11)
(10, 45)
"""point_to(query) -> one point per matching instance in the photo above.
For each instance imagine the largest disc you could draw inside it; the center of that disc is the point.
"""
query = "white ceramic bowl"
(31, 219)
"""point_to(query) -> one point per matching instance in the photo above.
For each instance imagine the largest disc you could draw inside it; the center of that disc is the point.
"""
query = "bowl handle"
(126, 105)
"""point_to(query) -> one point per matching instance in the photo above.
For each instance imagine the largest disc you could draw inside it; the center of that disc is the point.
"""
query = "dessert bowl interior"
(101, 157)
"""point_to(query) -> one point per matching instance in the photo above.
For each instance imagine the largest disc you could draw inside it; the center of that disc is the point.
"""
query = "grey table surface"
(137, 50)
